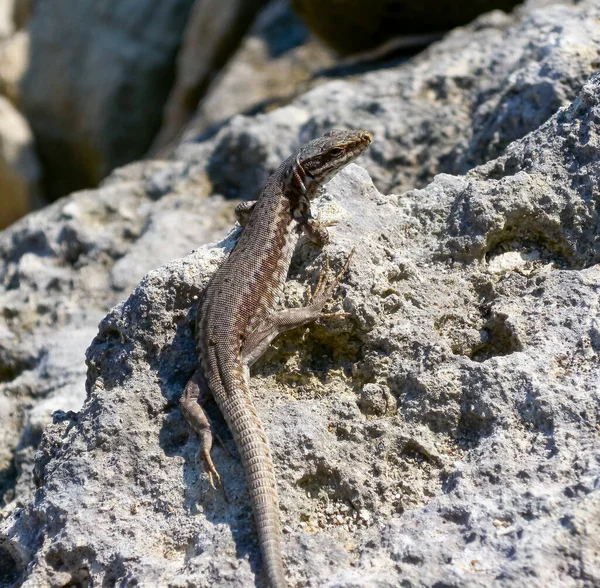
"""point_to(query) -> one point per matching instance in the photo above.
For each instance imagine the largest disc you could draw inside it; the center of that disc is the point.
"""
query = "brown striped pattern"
(237, 303)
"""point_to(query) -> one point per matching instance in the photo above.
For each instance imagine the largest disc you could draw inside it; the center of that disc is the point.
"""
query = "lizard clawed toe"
(321, 281)
(324, 289)
(211, 470)
(341, 314)
(222, 444)
(309, 294)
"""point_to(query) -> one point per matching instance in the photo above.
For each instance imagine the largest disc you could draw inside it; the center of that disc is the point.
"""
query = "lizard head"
(322, 158)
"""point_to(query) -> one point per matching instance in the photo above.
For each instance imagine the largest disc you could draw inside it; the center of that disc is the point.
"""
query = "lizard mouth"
(366, 136)
(363, 140)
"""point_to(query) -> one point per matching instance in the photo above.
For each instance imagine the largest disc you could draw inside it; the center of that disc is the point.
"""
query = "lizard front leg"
(195, 395)
(315, 230)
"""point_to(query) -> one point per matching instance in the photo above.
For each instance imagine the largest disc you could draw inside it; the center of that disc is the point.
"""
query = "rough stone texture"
(456, 105)
(444, 434)
(98, 78)
(460, 390)
(61, 269)
(275, 59)
(214, 30)
(357, 25)
(19, 166)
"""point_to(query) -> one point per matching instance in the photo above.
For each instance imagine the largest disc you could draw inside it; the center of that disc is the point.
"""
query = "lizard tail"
(252, 444)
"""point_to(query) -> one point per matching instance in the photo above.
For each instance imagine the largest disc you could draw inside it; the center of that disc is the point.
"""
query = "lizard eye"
(336, 151)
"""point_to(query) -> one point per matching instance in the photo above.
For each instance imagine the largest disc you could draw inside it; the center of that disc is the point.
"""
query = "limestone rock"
(214, 30)
(276, 57)
(456, 105)
(99, 75)
(443, 434)
(14, 61)
(485, 471)
(166, 215)
(19, 167)
(61, 269)
(7, 25)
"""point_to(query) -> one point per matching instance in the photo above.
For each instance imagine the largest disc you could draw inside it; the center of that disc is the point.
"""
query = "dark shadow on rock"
(10, 574)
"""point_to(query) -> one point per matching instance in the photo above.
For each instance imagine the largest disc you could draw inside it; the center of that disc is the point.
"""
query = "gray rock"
(14, 61)
(20, 171)
(61, 269)
(456, 105)
(473, 317)
(7, 24)
(98, 76)
(473, 302)
(274, 62)
(350, 26)
(214, 31)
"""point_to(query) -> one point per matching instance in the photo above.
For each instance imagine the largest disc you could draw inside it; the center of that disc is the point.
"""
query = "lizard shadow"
(229, 504)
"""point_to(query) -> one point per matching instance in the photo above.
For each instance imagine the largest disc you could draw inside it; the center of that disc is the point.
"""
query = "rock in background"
(98, 76)
(20, 173)
(61, 270)
(455, 105)
(20, 170)
(445, 433)
(350, 26)
(7, 25)
(212, 34)
(276, 57)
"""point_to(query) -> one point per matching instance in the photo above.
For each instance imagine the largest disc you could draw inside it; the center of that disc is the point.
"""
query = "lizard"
(238, 318)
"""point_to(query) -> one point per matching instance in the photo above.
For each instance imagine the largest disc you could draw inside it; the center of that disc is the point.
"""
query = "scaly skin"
(237, 319)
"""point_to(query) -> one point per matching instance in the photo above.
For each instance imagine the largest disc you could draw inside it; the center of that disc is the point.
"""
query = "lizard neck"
(300, 189)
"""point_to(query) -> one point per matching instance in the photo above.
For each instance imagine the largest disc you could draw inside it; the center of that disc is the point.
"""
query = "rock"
(148, 213)
(214, 30)
(350, 25)
(456, 105)
(14, 61)
(376, 400)
(161, 203)
(274, 60)
(487, 472)
(19, 166)
(7, 25)
(22, 12)
(61, 269)
(99, 75)
(453, 412)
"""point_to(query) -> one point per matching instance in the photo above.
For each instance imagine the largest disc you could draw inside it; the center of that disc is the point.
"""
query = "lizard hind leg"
(281, 321)
(195, 395)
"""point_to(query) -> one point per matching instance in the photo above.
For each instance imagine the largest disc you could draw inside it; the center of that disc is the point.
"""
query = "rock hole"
(499, 338)
(8, 481)
(472, 428)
